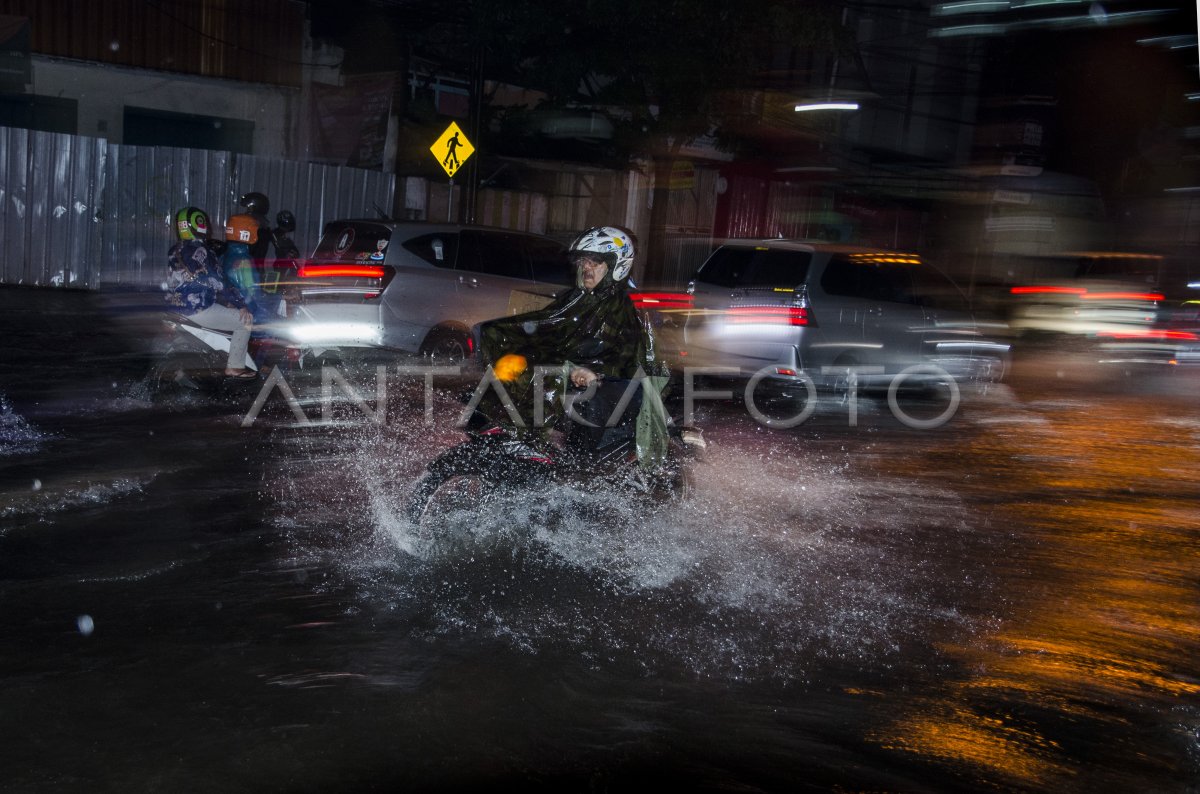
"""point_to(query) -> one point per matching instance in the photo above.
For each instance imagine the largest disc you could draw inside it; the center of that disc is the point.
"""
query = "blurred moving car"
(420, 287)
(1088, 295)
(788, 309)
(1173, 340)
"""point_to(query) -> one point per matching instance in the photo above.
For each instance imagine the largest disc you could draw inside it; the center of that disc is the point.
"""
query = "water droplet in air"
(86, 625)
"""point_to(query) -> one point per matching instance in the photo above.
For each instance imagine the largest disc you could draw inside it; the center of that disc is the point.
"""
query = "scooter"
(194, 357)
(494, 459)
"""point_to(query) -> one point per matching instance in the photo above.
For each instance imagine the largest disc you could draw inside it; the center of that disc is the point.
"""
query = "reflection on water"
(1103, 501)
(1007, 602)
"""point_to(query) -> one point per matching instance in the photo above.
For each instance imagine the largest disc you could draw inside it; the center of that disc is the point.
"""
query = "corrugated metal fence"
(50, 192)
(82, 212)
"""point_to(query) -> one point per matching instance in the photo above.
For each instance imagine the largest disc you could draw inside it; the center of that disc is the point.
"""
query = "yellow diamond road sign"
(452, 149)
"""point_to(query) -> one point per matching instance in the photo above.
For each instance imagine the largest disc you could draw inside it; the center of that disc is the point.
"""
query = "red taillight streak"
(1186, 336)
(1048, 290)
(1123, 296)
(661, 300)
(779, 315)
(1084, 294)
(328, 271)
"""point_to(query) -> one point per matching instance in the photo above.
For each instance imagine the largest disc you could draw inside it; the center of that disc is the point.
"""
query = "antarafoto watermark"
(652, 390)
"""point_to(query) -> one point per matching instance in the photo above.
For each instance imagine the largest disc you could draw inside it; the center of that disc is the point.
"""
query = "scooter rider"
(197, 289)
(257, 205)
(241, 268)
(285, 246)
(282, 275)
(595, 330)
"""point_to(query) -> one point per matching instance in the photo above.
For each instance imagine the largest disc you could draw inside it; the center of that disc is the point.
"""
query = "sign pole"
(451, 150)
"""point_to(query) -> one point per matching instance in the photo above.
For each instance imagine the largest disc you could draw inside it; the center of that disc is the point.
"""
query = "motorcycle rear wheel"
(440, 501)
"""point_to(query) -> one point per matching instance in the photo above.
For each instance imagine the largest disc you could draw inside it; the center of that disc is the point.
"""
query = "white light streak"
(827, 106)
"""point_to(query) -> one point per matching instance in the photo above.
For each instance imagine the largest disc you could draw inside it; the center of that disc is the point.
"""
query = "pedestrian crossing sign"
(452, 149)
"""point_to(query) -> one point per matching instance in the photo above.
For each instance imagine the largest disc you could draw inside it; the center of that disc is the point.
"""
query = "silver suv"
(788, 309)
(420, 287)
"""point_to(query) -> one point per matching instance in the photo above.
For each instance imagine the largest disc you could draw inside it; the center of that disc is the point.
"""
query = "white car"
(420, 287)
(789, 310)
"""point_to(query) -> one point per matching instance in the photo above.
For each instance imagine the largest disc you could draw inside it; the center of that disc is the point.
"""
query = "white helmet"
(612, 243)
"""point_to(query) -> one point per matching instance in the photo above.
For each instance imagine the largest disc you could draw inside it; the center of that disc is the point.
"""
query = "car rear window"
(755, 267)
(352, 243)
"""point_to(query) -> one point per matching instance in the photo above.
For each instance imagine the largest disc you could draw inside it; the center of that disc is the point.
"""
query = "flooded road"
(1008, 602)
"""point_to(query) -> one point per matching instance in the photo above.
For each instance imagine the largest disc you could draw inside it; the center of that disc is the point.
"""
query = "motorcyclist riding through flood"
(594, 332)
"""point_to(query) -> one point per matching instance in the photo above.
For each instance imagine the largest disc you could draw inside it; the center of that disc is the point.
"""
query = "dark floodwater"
(1010, 602)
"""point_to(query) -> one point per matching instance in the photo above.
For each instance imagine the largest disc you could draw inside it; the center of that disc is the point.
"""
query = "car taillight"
(345, 271)
(661, 300)
(1047, 290)
(1123, 296)
(772, 315)
(1177, 336)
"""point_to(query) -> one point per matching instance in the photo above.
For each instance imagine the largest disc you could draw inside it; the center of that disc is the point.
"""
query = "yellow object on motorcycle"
(509, 367)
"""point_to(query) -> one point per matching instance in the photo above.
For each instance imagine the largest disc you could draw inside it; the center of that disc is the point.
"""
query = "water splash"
(17, 435)
(779, 564)
(43, 502)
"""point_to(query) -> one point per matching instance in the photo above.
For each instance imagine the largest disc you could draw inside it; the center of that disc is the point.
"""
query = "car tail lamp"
(341, 271)
(1123, 296)
(1047, 290)
(662, 301)
(1152, 334)
(769, 315)
(310, 271)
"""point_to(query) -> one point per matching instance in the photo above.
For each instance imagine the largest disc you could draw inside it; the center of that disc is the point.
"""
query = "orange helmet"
(241, 229)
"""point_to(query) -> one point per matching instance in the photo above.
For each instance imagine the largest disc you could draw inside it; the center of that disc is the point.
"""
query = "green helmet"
(191, 223)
